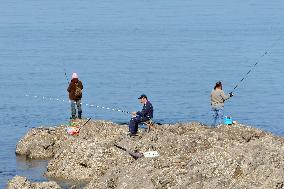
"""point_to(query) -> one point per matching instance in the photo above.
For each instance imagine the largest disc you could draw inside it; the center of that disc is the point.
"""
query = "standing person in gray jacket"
(218, 98)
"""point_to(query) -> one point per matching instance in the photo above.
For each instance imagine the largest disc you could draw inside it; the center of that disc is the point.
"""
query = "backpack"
(78, 91)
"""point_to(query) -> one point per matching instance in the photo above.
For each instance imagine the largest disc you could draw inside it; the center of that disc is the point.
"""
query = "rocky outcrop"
(192, 155)
(88, 155)
(195, 156)
(41, 143)
(19, 182)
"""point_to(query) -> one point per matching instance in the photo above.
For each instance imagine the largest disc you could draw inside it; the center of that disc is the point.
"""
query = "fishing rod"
(246, 75)
(255, 64)
(136, 155)
(66, 77)
(84, 123)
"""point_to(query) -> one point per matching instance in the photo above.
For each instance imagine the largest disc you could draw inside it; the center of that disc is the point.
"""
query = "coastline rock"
(40, 143)
(19, 182)
(88, 155)
(192, 155)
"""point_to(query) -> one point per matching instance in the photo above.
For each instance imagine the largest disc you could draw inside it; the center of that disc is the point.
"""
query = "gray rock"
(88, 155)
(39, 143)
(192, 155)
(19, 182)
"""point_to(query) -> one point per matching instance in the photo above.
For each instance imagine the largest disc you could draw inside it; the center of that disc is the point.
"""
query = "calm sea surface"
(172, 50)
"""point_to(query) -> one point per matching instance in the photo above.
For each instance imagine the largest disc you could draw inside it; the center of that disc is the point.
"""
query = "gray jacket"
(218, 97)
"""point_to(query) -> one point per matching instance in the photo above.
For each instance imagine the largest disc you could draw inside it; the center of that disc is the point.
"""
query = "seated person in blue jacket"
(144, 115)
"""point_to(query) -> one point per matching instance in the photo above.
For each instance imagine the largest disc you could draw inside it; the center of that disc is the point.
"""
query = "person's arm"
(81, 85)
(224, 96)
(69, 88)
(146, 109)
(139, 113)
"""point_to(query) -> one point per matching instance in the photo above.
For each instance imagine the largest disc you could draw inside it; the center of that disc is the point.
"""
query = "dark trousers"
(134, 122)
(73, 108)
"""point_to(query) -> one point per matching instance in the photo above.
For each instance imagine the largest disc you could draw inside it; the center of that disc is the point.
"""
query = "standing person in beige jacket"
(218, 98)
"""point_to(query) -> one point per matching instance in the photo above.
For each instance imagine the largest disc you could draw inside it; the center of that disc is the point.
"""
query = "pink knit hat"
(74, 76)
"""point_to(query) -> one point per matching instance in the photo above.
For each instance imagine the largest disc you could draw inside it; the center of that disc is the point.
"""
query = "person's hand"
(133, 114)
(231, 94)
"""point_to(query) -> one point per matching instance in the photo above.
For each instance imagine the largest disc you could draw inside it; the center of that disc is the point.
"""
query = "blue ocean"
(173, 51)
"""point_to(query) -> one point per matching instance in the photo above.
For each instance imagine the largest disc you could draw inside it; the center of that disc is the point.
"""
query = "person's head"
(74, 77)
(218, 85)
(143, 99)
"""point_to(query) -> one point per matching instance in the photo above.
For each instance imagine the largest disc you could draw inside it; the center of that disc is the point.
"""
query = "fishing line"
(91, 105)
(66, 77)
(256, 63)
(85, 104)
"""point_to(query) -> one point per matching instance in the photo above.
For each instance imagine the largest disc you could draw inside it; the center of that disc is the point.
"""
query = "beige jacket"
(218, 97)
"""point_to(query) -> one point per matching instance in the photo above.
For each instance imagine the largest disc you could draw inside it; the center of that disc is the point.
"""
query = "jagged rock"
(39, 143)
(192, 155)
(88, 155)
(19, 182)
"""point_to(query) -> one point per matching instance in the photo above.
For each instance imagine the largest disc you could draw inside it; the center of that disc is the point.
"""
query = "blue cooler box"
(228, 120)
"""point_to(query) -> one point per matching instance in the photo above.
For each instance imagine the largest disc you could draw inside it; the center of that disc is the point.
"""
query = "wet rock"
(19, 182)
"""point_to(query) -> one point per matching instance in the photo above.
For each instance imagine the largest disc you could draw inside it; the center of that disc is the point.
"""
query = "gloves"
(231, 94)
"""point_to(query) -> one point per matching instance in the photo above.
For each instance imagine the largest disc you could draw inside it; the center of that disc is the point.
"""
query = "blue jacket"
(147, 110)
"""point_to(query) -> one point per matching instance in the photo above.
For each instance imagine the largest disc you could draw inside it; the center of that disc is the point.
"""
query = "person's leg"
(133, 124)
(79, 108)
(73, 110)
(220, 115)
(214, 115)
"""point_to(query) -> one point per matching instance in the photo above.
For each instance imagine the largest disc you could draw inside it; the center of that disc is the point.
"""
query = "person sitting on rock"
(218, 97)
(141, 116)
(75, 95)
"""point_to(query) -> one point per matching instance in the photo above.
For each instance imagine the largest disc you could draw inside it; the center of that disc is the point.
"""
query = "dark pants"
(133, 125)
(73, 109)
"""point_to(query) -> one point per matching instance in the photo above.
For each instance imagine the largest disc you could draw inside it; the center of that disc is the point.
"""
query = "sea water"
(173, 51)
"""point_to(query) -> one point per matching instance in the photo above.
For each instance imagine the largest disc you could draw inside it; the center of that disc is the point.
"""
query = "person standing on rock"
(218, 98)
(141, 116)
(75, 95)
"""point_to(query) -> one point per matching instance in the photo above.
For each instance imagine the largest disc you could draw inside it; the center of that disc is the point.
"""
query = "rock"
(192, 155)
(88, 155)
(39, 143)
(19, 182)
